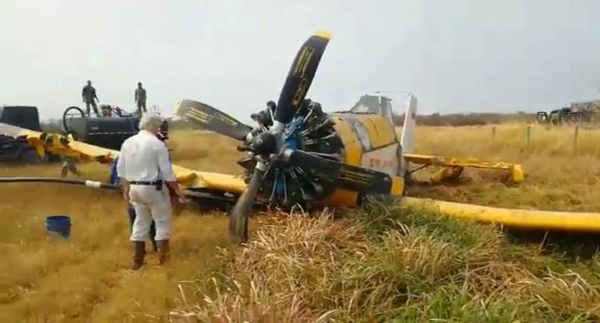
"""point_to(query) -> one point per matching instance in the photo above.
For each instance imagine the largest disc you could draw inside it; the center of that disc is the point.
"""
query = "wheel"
(71, 112)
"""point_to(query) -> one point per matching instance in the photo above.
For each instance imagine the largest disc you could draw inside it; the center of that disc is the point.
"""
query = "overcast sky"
(455, 55)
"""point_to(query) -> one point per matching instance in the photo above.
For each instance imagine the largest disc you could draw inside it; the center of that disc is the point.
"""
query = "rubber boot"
(140, 252)
(163, 251)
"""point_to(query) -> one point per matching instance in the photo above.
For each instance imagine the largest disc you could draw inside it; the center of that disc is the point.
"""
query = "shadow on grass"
(570, 245)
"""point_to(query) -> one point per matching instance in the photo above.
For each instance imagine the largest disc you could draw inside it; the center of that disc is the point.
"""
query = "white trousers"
(150, 204)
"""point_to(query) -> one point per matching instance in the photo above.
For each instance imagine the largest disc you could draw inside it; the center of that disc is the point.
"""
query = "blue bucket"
(59, 225)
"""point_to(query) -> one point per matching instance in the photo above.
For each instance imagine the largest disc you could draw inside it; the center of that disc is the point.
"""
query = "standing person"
(69, 162)
(69, 166)
(88, 94)
(114, 179)
(140, 98)
(144, 169)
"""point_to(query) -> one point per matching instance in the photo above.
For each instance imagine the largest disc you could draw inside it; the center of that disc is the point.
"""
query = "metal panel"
(383, 159)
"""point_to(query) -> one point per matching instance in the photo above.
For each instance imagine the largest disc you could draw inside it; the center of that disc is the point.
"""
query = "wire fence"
(576, 138)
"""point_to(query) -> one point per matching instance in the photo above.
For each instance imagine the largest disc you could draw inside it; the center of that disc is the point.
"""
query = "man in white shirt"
(144, 169)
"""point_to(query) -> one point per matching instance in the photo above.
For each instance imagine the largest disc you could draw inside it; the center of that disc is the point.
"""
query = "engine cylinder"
(284, 185)
(352, 138)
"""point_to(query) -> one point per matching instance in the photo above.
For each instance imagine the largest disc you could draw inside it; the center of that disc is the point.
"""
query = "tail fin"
(408, 131)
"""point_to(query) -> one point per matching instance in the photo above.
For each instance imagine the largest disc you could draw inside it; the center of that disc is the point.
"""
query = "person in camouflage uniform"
(140, 98)
(69, 166)
(90, 98)
(69, 162)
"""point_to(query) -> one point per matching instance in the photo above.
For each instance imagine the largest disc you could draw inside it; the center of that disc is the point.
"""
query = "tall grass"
(387, 264)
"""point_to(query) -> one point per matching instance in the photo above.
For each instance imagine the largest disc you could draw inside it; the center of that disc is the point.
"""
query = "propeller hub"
(265, 144)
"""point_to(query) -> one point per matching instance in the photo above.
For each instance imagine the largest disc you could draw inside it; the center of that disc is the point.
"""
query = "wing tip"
(323, 34)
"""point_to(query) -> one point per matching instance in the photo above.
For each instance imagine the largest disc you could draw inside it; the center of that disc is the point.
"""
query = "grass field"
(375, 265)
(557, 178)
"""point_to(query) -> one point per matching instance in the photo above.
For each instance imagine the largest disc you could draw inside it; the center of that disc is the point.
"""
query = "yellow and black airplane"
(300, 155)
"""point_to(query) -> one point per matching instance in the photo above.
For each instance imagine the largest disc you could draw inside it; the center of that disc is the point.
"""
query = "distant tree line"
(433, 120)
(468, 119)
(52, 126)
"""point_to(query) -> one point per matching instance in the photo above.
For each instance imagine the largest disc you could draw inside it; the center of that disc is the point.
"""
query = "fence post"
(528, 138)
(575, 139)
(493, 133)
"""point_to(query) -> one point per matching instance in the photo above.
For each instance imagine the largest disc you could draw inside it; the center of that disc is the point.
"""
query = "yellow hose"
(531, 219)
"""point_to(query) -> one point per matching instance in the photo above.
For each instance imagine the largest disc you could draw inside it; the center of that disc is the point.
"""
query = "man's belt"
(148, 183)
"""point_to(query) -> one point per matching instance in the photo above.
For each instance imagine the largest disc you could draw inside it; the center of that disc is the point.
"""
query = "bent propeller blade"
(238, 218)
(348, 177)
(209, 118)
(300, 76)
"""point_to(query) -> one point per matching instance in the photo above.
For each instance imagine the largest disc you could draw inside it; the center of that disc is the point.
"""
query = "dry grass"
(557, 177)
(376, 265)
(86, 278)
(383, 265)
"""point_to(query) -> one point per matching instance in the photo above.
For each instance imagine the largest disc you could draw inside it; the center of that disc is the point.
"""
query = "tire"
(65, 125)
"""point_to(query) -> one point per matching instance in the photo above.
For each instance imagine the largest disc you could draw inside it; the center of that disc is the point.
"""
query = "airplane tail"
(407, 140)
(451, 167)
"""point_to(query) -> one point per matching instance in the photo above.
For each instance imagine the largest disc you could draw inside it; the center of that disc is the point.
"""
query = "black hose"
(194, 195)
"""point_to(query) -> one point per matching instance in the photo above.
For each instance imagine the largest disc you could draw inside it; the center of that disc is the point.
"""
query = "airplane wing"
(61, 145)
(516, 171)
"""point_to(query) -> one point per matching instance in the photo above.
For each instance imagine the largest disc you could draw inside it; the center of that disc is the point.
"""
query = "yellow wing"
(64, 146)
(194, 179)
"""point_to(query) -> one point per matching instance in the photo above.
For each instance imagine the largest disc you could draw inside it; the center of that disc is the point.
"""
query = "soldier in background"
(69, 166)
(140, 98)
(89, 96)
(69, 162)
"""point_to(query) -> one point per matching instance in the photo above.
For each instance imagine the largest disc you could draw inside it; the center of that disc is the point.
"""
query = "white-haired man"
(144, 169)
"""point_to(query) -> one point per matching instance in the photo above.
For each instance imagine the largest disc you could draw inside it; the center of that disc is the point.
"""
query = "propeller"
(238, 219)
(266, 148)
(209, 118)
(349, 177)
(300, 77)
(267, 144)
